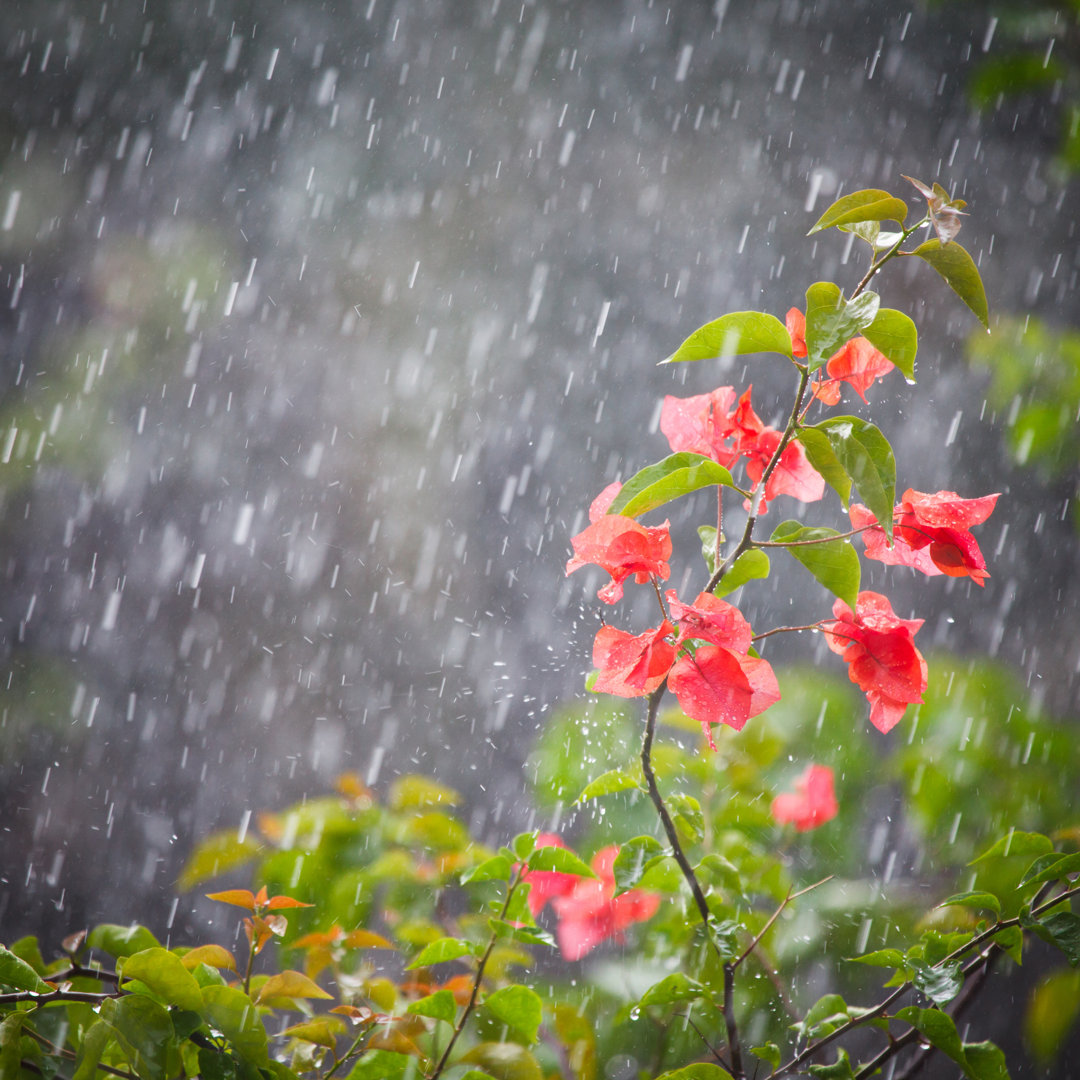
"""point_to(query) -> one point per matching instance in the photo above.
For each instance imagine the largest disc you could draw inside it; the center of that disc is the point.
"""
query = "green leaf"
(440, 1005)
(90, 1050)
(504, 1061)
(702, 1070)
(870, 204)
(769, 1052)
(234, 1014)
(524, 844)
(19, 975)
(939, 1029)
(985, 1061)
(961, 274)
(660, 483)
(940, 984)
(832, 321)
(840, 1069)
(894, 335)
(144, 1031)
(1063, 930)
(561, 860)
(630, 862)
(164, 974)
(866, 456)
(834, 564)
(820, 454)
(1051, 1012)
(749, 566)
(519, 1007)
(823, 1017)
(497, 868)
(662, 874)
(121, 941)
(708, 546)
(1052, 867)
(673, 989)
(983, 900)
(735, 334)
(1015, 843)
(1011, 940)
(442, 951)
(889, 958)
(529, 935)
(610, 782)
(382, 1065)
(686, 813)
(10, 1043)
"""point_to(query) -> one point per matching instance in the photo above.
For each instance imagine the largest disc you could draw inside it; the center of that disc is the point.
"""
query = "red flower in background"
(882, 659)
(632, 666)
(811, 804)
(719, 683)
(547, 884)
(931, 533)
(857, 362)
(623, 547)
(590, 913)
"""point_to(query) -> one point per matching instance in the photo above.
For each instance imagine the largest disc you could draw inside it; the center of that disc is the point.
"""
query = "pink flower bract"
(629, 665)
(811, 804)
(623, 547)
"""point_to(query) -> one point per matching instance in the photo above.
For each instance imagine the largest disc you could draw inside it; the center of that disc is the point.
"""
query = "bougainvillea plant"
(687, 952)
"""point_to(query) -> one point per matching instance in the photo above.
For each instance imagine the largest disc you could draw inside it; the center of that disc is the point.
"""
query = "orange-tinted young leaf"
(211, 955)
(319, 939)
(276, 903)
(367, 939)
(244, 898)
(261, 896)
(322, 1031)
(358, 1014)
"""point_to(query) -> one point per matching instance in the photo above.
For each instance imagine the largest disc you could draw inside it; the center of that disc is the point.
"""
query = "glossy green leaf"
(894, 335)
(497, 868)
(560, 859)
(980, 900)
(1063, 930)
(958, 269)
(823, 1017)
(939, 1029)
(820, 454)
(440, 1006)
(121, 941)
(888, 958)
(1051, 1011)
(234, 1014)
(630, 862)
(89, 1051)
(610, 782)
(834, 564)
(940, 983)
(164, 974)
(19, 975)
(751, 565)
(832, 321)
(519, 1007)
(840, 1069)
(442, 951)
(144, 1031)
(870, 204)
(867, 458)
(686, 812)
(672, 990)
(1015, 843)
(735, 334)
(675, 476)
(662, 874)
(1052, 867)
(768, 1052)
(702, 1070)
(524, 844)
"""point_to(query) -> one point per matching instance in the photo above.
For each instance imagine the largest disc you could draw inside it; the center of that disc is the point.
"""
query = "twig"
(774, 916)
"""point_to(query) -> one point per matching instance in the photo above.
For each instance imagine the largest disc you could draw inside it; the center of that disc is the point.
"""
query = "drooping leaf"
(835, 564)
(1052, 867)
(1015, 843)
(441, 951)
(769, 1052)
(958, 269)
(939, 983)
(630, 862)
(894, 335)
(1063, 930)
(672, 990)
(610, 782)
(166, 976)
(979, 900)
(870, 204)
(233, 1013)
(19, 975)
(560, 859)
(840, 1069)
(289, 985)
(985, 1061)
(440, 1006)
(938, 1028)
(519, 1007)
(666, 480)
(749, 566)
(144, 1031)
(735, 334)
(821, 456)
(867, 458)
(831, 321)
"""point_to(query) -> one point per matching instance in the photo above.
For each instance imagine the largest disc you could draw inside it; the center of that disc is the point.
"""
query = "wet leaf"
(832, 321)
(505, 1061)
(120, 941)
(1015, 843)
(630, 862)
(212, 955)
(834, 564)
(497, 868)
(1052, 867)
(560, 859)
(441, 951)
(870, 204)
(289, 985)
(822, 457)
(894, 335)
(233, 1013)
(673, 989)
(751, 565)
(144, 1031)
(519, 1007)
(941, 983)
(165, 975)
(735, 334)
(19, 975)
(440, 1005)
(979, 900)
(958, 269)
(673, 477)
(867, 458)
(322, 1031)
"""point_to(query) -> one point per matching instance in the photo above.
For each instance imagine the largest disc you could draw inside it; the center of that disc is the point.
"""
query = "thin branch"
(875, 267)
(810, 543)
(774, 916)
(57, 995)
(788, 630)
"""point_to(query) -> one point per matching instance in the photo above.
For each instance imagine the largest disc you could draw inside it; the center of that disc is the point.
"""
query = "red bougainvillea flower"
(548, 884)
(812, 803)
(590, 913)
(623, 547)
(718, 683)
(632, 666)
(702, 425)
(857, 362)
(793, 475)
(882, 659)
(930, 533)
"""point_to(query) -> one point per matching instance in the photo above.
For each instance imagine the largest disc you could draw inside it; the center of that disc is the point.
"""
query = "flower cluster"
(588, 910)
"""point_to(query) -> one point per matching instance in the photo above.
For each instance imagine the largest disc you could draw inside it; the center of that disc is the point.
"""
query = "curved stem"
(891, 253)
(787, 630)
(809, 543)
